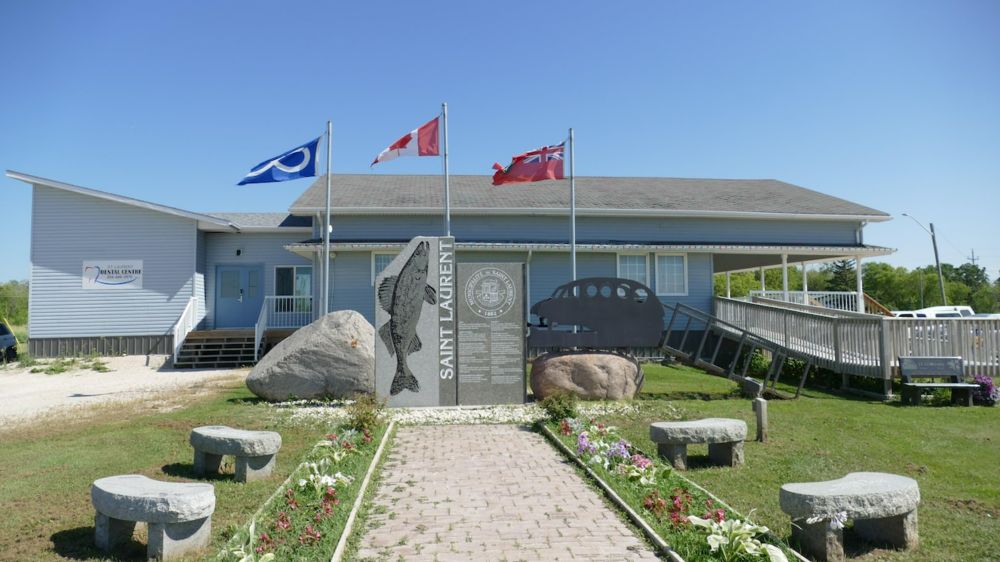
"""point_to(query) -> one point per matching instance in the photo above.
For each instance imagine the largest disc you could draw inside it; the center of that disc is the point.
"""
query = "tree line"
(14, 302)
(898, 288)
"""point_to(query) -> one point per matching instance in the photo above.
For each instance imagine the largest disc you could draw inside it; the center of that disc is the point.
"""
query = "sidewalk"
(489, 493)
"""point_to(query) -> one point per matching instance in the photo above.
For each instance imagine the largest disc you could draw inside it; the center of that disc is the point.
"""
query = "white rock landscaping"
(178, 515)
(724, 438)
(883, 507)
(255, 451)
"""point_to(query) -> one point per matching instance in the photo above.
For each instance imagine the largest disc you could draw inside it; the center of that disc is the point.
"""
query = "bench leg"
(818, 540)
(910, 396)
(726, 454)
(676, 454)
(110, 532)
(961, 397)
(206, 463)
(899, 531)
(168, 541)
(249, 469)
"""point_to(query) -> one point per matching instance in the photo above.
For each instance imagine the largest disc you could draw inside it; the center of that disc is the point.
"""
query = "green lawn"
(46, 471)
(954, 453)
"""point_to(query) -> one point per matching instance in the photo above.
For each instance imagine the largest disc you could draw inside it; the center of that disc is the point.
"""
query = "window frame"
(312, 279)
(656, 274)
(381, 253)
(618, 264)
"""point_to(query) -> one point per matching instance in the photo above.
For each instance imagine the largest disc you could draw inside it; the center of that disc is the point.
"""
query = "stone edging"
(637, 519)
(338, 553)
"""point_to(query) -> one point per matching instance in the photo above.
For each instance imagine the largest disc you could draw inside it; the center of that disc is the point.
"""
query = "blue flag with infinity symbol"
(299, 162)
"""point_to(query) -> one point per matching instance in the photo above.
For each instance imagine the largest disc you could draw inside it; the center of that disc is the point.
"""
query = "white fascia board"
(559, 211)
(831, 251)
(200, 218)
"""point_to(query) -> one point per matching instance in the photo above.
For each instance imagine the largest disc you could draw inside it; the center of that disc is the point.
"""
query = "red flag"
(545, 163)
(422, 141)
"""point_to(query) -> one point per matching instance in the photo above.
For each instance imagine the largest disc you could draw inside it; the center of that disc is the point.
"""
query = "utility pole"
(973, 259)
(937, 260)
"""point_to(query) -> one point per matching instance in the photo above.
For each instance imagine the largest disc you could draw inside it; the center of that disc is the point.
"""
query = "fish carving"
(403, 297)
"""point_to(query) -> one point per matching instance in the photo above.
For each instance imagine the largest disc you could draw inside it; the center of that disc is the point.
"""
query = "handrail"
(281, 312)
(183, 326)
(259, 329)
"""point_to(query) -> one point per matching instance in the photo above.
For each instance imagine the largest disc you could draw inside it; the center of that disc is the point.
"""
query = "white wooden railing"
(281, 312)
(868, 345)
(839, 300)
(184, 325)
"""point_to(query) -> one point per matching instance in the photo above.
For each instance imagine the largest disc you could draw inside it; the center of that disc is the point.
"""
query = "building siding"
(68, 228)
(201, 310)
(266, 249)
(599, 229)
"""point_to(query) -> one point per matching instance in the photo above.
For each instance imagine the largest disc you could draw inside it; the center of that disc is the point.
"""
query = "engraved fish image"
(403, 297)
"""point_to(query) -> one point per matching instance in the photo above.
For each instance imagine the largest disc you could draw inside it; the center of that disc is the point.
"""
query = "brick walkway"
(488, 493)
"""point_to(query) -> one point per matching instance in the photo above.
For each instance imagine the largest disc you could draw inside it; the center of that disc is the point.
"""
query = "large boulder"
(594, 376)
(334, 357)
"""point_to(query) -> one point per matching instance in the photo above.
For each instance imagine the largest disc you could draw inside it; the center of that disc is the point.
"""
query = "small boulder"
(334, 357)
(591, 376)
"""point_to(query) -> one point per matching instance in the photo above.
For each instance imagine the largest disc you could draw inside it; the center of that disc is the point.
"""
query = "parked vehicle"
(8, 344)
(937, 312)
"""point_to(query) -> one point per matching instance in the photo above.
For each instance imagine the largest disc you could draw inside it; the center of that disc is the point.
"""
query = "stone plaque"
(415, 344)
(491, 330)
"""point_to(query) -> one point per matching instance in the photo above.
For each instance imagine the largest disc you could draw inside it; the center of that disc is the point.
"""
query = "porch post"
(729, 292)
(805, 285)
(784, 277)
(860, 283)
(763, 286)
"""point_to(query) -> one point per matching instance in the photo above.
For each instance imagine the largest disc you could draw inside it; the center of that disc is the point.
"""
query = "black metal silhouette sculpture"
(608, 312)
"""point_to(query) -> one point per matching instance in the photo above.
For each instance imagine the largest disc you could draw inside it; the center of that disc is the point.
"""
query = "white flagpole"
(325, 300)
(447, 192)
(572, 204)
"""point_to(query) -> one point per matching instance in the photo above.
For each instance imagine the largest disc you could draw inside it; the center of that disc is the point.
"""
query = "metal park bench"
(949, 368)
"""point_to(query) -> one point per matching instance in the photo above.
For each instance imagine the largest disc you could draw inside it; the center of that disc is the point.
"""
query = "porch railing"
(184, 325)
(838, 300)
(281, 312)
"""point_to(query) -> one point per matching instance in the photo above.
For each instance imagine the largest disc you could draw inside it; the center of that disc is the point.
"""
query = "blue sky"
(895, 105)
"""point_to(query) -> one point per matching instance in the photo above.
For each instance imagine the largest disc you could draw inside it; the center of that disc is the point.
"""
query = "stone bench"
(178, 516)
(883, 507)
(255, 451)
(724, 438)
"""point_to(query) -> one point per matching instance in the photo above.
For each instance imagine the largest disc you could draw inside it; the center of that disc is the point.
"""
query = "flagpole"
(447, 192)
(572, 203)
(325, 300)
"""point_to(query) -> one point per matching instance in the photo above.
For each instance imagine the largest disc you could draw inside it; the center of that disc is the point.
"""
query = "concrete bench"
(949, 368)
(255, 451)
(724, 438)
(178, 516)
(883, 507)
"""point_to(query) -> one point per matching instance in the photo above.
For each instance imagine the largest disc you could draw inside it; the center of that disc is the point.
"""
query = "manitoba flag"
(422, 141)
(545, 163)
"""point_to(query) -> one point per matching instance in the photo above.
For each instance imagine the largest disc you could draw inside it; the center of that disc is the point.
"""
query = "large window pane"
(671, 277)
(303, 281)
(230, 285)
(382, 261)
(633, 267)
(283, 281)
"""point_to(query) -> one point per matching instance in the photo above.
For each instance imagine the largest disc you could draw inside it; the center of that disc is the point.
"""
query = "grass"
(47, 469)
(953, 453)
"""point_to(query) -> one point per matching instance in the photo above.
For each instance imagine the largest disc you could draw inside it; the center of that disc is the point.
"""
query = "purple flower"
(583, 444)
(988, 393)
(619, 450)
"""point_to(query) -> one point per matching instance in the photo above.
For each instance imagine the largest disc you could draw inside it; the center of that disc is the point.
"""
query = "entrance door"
(239, 294)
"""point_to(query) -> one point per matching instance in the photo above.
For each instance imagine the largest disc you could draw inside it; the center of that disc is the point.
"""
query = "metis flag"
(545, 163)
(299, 162)
(422, 141)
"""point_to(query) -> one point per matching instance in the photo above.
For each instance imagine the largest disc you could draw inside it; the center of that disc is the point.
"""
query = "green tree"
(842, 276)
(14, 302)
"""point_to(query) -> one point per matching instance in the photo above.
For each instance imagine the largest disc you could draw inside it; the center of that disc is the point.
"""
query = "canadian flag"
(422, 141)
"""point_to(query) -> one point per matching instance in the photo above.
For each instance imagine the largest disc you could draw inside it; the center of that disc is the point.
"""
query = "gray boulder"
(334, 357)
(592, 376)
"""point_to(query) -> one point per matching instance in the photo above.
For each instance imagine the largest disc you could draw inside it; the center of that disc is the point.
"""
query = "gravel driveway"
(25, 395)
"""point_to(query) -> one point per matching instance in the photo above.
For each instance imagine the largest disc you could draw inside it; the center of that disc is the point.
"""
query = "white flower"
(715, 541)
(774, 554)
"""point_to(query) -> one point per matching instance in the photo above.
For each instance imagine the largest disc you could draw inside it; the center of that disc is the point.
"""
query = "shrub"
(560, 405)
(365, 412)
(988, 392)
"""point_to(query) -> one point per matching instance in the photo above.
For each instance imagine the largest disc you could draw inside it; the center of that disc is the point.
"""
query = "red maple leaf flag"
(422, 141)
(545, 163)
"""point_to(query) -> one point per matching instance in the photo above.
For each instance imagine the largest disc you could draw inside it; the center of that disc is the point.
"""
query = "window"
(634, 267)
(293, 281)
(671, 274)
(230, 288)
(380, 261)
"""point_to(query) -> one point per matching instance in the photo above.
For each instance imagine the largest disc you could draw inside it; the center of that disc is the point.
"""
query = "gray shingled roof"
(375, 191)
(264, 220)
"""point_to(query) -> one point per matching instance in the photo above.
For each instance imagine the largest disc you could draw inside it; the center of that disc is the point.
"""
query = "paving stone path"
(489, 493)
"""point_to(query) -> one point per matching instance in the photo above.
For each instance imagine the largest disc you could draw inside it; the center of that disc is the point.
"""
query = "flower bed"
(689, 521)
(305, 518)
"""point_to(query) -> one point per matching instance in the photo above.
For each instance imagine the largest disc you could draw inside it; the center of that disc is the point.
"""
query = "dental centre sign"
(112, 275)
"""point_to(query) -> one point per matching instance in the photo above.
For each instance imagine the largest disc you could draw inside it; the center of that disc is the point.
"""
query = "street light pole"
(937, 260)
